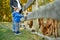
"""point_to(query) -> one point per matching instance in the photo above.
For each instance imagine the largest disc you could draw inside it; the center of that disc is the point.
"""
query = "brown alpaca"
(47, 29)
(51, 27)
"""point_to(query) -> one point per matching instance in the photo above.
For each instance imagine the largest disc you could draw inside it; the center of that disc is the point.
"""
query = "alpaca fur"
(47, 28)
(30, 23)
(51, 27)
(55, 28)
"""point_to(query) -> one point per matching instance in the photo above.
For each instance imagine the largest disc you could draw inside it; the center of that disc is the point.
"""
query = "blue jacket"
(17, 16)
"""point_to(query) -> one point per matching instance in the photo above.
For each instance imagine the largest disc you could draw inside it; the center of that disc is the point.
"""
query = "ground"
(6, 33)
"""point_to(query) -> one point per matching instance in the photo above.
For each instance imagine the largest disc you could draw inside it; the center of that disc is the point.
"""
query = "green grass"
(6, 34)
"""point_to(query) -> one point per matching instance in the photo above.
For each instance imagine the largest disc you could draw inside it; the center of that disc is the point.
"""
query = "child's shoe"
(17, 33)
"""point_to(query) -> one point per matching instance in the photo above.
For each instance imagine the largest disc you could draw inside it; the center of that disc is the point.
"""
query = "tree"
(44, 2)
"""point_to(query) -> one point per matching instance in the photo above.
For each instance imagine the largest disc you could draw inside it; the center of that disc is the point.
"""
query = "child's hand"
(25, 18)
(22, 21)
